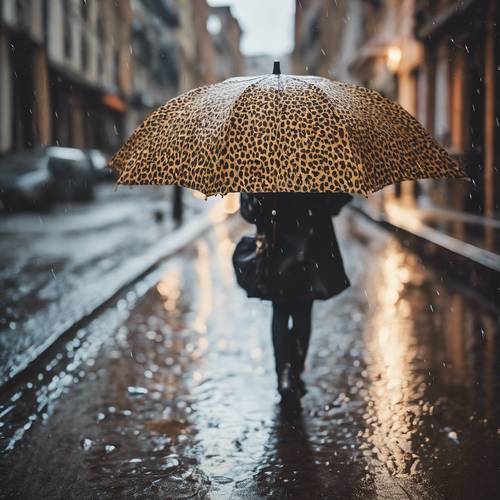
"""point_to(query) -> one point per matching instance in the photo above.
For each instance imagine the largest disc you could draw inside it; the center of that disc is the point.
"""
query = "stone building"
(438, 59)
(85, 73)
(156, 57)
(319, 30)
(66, 72)
(459, 93)
(196, 45)
(23, 75)
(226, 35)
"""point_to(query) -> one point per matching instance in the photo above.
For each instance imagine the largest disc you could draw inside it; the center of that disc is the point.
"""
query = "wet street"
(56, 266)
(170, 392)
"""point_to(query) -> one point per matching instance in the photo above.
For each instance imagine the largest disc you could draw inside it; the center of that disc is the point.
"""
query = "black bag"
(252, 265)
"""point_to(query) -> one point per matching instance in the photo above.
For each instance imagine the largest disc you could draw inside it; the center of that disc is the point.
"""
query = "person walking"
(303, 263)
(278, 132)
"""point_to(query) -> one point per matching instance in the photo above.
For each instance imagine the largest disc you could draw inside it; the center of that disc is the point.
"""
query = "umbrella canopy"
(281, 133)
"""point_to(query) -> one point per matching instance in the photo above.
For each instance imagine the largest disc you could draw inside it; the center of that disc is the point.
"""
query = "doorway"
(22, 57)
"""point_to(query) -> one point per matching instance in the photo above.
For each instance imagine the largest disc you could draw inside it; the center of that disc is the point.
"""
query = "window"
(45, 14)
(68, 41)
(442, 103)
(214, 25)
(84, 13)
(101, 49)
(23, 13)
(84, 10)
(117, 67)
(84, 51)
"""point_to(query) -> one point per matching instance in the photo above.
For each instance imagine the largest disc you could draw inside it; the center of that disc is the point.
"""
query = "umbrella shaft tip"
(276, 68)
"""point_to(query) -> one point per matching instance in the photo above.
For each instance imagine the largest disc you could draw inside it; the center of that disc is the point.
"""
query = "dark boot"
(300, 363)
(288, 386)
(286, 355)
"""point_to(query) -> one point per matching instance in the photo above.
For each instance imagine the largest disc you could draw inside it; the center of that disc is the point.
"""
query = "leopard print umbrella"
(281, 133)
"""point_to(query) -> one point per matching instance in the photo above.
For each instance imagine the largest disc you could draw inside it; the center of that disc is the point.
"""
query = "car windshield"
(67, 162)
(21, 163)
(98, 159)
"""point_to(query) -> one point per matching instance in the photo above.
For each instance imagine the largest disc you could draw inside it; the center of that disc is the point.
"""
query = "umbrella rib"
(278, 123)
(313, 85)
(303, 81)
(228, 124)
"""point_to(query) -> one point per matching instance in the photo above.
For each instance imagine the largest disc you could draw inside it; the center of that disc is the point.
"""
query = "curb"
(456, 260)
(133, 269)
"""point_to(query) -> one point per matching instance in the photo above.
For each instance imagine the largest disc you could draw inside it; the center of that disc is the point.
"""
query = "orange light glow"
(394, 56)
(204, 286)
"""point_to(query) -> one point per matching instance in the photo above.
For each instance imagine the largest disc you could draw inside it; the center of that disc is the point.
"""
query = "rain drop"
(137, 391)
(453, 436)
(86, 444)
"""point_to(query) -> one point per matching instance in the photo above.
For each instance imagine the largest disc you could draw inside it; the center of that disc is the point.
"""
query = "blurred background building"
(438, 59)
(85, 73)
(197, 47)
(156, 57)
(65, 71)
(226, 34)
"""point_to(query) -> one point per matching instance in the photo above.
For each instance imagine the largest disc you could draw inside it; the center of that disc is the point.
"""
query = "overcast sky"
(267, 24)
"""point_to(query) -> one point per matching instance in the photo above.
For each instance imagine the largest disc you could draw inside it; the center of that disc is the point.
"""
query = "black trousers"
(291, 343)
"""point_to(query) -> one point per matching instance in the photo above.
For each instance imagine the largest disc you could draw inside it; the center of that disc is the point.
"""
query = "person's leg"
(281, 335)
(301, 316)
(285, 353)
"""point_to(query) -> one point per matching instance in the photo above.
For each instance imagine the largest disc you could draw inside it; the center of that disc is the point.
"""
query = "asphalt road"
(170, 392)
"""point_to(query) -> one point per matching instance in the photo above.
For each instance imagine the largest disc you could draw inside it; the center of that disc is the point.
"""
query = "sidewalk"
(464, 247)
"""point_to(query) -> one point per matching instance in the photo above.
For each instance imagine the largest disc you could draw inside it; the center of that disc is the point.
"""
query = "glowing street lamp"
(394, 56)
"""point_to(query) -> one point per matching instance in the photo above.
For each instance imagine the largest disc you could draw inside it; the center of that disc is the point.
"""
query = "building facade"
(196, 45)
(226, 35)
(22, 55)
(85, 73)
(459, 93)
(66, 71)
(439, 59)
(156, 57)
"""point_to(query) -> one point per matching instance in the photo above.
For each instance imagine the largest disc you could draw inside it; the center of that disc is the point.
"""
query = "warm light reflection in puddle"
(204, 283)
(170, 289)
(225, 250)
(395, 406)
(231, 203)
(403, 216)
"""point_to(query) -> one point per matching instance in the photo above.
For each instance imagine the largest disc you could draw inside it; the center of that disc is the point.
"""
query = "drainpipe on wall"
(489, 125)
(43, 112)
(5, 95)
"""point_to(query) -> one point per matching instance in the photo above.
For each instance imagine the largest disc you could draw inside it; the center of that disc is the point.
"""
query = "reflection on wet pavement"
(171, 393)
(54, 267)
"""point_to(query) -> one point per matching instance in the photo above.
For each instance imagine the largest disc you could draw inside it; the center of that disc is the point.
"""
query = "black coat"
(305, 257)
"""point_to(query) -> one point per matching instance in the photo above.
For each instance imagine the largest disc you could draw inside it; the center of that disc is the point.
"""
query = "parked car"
(73, 174)
(25, 182)
(38, 178)
(99, 163)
